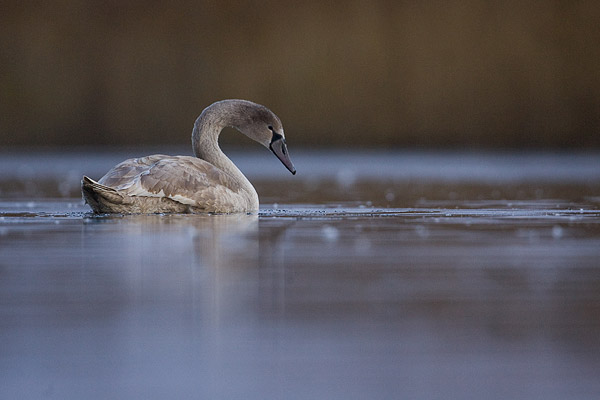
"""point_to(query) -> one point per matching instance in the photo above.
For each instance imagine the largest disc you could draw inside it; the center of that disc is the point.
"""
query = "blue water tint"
(401, 285)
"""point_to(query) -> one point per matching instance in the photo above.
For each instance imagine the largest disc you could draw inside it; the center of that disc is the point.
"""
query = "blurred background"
(464, 74)
(422, 271)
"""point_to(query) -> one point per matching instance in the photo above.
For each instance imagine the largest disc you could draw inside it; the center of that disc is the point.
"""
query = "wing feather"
(122, 175)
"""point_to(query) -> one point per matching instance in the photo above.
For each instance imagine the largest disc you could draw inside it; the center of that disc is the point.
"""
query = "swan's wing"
(122, 175)
(187, 180)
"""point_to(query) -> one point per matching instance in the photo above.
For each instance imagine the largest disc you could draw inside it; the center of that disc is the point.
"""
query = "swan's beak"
(279, 148)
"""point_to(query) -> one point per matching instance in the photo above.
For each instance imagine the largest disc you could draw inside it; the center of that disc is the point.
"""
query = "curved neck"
(205, 142)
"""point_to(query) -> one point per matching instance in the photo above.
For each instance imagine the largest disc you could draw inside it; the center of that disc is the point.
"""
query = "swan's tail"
(98, 196)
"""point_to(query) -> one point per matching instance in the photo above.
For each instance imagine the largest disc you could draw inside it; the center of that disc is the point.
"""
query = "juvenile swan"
(208, 182)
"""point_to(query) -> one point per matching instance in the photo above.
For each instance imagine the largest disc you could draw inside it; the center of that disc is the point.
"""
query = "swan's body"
(208, 182)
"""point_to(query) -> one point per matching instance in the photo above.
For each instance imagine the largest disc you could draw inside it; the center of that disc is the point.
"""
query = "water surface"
(368, 275)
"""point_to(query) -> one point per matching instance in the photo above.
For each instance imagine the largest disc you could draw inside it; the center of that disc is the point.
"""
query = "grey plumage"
(209, 182)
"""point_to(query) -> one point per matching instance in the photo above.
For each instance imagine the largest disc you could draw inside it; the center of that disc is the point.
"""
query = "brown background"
(466, 74)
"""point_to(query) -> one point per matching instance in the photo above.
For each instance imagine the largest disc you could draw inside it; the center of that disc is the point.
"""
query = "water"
(368, 275)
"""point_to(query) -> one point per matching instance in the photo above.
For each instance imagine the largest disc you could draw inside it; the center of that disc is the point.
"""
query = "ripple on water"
(536, 209)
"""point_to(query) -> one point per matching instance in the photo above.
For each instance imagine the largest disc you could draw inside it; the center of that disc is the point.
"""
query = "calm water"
(366, 276)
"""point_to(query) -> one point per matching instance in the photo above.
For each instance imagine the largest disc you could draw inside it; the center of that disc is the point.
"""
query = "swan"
(207, 183)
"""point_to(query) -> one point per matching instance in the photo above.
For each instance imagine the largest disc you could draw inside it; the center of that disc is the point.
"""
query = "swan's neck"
(205, 142)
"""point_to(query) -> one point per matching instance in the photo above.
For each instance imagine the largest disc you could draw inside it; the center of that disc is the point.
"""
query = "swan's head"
(262, 125)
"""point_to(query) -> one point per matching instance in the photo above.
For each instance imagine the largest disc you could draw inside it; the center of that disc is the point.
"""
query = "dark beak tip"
(279, 149)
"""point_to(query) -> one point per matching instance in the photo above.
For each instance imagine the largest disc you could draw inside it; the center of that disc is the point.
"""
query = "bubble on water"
(346, 177)
(64, 188)
(557, 231)
(421, 231)
(330, 233)
(390, 196)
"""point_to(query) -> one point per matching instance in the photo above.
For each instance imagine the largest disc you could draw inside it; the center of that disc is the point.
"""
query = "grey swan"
(207, 183)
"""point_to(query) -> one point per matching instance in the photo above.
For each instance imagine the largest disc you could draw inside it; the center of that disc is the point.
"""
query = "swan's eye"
(270, 128)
